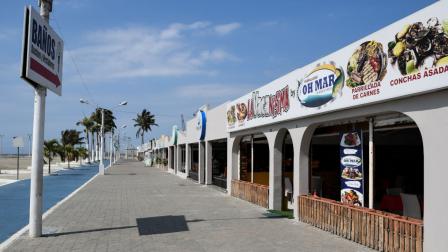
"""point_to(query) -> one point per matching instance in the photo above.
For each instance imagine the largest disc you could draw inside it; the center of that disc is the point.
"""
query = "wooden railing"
(372, 228)
(254, 193)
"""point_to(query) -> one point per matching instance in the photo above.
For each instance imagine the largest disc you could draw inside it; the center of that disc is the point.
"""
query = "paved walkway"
(136, 208)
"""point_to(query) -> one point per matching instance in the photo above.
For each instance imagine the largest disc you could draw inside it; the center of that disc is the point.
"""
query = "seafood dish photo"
(420, 45)
(350, 140)
(231, 118)
(241, 111)
(351, 197)
(351, 173)
(367, 64)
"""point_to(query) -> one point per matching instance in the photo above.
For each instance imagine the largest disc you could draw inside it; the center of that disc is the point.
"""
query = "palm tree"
(51, 148)
(109, 123)
(88, 124)
(144, 121)
(95, 131)
(83, 153)
(69, 139)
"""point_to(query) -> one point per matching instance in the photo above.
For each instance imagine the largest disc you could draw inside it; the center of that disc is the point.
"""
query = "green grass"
(284, 214)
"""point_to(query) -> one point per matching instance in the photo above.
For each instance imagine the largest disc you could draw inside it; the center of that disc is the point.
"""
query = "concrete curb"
(4, 245)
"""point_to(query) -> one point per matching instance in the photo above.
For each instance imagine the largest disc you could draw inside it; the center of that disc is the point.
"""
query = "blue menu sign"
(352, 174)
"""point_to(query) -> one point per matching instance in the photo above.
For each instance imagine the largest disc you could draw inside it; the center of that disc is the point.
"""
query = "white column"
(232, 163)
(301, 143)
(35, 218)
(208, 163)
(179, 159)
(175, 157)
(187, 159)
(275, 172)
(170, 154)
(201, 169)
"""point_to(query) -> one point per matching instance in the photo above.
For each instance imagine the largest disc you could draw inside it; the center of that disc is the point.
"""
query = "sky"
(171, 57)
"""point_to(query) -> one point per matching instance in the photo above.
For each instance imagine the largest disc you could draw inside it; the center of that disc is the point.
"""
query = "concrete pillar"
(208, 163)
(232, 162)
(275, 172)
(201, 170)
(170, 154)
(187, 159)
(175, 157)
(179, 159)
(301, 144)
(432, 126)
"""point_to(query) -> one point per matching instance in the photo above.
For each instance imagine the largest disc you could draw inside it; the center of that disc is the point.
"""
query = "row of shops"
(370, 136)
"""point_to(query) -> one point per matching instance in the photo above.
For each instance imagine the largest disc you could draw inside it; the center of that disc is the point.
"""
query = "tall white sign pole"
(35, 225)
(111, 148)
(101, 166)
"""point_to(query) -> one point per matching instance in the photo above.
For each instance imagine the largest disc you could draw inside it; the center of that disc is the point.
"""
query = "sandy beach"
(8, 168)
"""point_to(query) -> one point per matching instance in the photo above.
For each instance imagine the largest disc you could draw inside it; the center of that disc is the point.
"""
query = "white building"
(366, 125)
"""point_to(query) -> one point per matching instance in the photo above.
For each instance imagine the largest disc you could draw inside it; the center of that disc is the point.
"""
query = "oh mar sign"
(41, 53)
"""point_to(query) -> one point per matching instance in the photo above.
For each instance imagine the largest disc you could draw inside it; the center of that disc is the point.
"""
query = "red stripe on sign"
(44, 72)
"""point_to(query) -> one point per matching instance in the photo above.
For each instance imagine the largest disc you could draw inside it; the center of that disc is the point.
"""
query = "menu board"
(406, 58)
(352, 174)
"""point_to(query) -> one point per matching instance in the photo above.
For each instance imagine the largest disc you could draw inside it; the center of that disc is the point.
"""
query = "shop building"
(353, 143)
(199, 151)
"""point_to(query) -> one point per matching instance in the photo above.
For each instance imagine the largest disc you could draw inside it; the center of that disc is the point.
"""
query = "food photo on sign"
(352, 177)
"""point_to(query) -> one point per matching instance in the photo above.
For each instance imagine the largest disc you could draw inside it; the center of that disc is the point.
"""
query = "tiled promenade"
(136, 208)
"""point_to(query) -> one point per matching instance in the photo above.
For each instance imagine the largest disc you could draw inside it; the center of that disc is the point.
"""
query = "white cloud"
(226, 28)
(145, 52)
(175, 29)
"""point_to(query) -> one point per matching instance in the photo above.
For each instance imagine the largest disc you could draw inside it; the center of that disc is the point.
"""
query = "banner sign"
(352, 174)
(174, 134)
(201, 124)
(408, 57)
(17, 142)
(41, 53)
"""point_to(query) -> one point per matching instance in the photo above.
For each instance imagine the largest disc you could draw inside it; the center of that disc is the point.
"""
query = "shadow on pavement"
(162, 224)
(87, 231)
(159, 225)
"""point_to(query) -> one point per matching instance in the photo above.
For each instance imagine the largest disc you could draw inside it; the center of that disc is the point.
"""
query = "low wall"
(254, 193)
(375, 229)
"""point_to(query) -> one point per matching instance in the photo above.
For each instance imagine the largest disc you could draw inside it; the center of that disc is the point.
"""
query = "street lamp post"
(117, 137)
(102, 140)
(101, 166)
(29, 143)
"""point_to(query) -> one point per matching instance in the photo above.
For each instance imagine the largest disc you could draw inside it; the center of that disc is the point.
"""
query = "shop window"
(194, 161)
(398, 164)
(246, 159)
(287, 172)
(219, 163)
(254, 168)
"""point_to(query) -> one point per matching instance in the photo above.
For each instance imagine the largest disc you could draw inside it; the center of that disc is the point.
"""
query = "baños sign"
(41, 53)
(406, 58)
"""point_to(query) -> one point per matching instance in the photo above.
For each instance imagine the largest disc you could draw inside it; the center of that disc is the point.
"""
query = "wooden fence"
(372, 228)
(254, 193)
